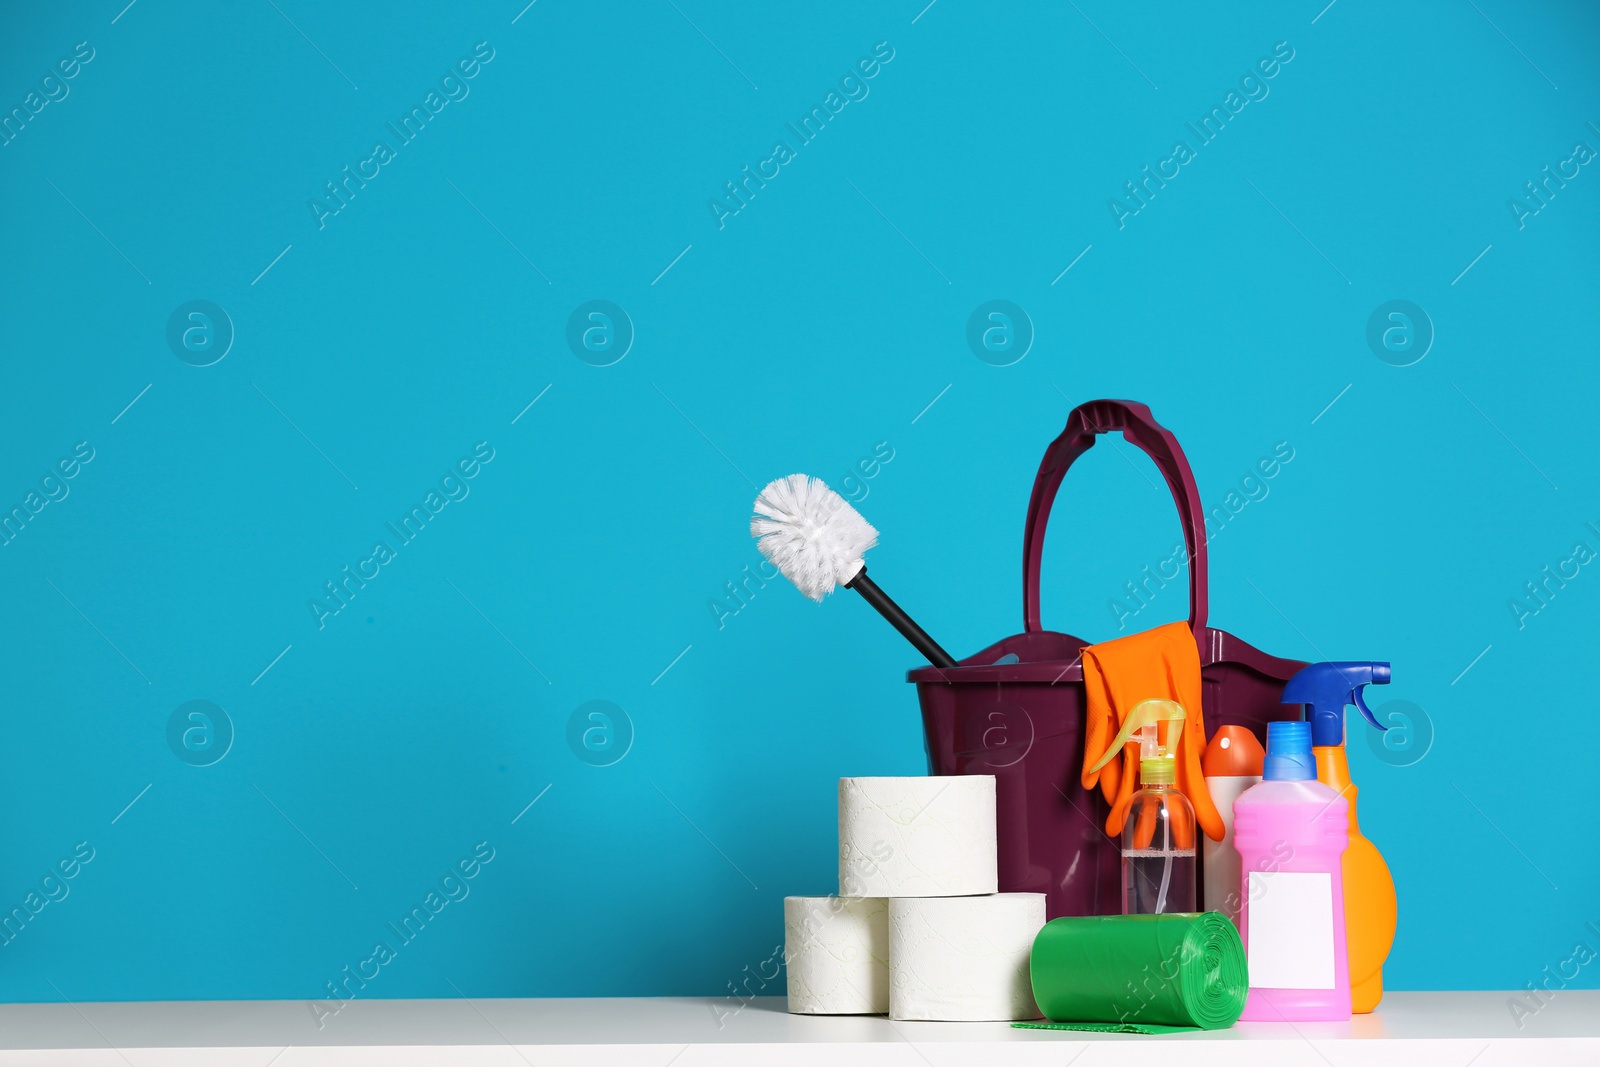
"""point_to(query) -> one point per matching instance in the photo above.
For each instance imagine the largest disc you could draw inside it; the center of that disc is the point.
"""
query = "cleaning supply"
(836, 953)
(962, 959)
(917, 886)
(1139, 973)
(1231, 764)
(1370, 908)
(1158, 866)
(1291, 832)
(917, 836)
(1052, 837)
(1161, 663)
(817, 540)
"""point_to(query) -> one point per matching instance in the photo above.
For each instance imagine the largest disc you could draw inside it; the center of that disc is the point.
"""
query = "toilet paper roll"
(917, 837)
(963, 958)
(837, 953)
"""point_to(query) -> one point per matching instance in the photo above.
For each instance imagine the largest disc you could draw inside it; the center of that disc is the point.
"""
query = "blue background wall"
(362, 758)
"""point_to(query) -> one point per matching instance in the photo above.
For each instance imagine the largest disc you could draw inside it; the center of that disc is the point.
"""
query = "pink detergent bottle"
(1291, 832)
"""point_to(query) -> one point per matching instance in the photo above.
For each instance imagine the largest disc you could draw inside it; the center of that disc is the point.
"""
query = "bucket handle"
(1140, 428)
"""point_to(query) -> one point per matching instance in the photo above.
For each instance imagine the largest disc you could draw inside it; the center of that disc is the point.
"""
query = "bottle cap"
(1160, 770)
(1289, 756)
(1233, 752)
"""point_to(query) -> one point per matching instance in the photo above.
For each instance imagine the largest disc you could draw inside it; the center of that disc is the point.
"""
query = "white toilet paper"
(837, 953)
(963, 958)
(917, 837)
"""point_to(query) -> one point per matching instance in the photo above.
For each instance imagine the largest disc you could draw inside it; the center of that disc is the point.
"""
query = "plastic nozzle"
(1325, 689)
(1157, 762)
(1233, 752)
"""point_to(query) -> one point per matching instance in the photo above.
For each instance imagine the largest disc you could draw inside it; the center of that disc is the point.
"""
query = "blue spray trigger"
(1362, 704)
(1326, 688)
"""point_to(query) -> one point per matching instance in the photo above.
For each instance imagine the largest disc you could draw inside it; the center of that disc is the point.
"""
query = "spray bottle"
(1369, 900)
(1158, 857)
(1231, 764)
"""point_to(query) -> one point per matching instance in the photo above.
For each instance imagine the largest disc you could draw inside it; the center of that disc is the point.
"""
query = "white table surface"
(1413, 1029)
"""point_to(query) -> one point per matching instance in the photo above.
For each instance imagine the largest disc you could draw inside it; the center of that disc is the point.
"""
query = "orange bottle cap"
(1233, 752)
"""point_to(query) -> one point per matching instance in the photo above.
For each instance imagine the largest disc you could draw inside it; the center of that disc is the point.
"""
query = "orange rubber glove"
(1159, 664)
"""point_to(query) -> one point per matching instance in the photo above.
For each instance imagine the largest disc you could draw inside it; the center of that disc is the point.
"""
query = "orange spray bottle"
(1370, 909)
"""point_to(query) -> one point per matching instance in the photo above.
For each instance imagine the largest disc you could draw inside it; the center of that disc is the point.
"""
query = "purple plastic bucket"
(1023, 721)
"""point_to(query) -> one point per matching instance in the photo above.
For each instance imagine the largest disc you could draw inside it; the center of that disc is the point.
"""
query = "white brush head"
(810, 534)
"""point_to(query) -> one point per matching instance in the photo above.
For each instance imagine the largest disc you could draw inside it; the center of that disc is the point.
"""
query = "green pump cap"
(1158, 770)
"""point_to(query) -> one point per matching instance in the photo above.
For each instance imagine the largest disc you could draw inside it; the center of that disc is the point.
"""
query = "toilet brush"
(817, 541)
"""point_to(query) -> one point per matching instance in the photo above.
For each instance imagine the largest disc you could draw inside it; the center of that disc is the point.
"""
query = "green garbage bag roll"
(1181, 970)
(1108, 1028)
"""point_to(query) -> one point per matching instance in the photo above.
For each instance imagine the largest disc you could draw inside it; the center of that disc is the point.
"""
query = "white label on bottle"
(1291, 930)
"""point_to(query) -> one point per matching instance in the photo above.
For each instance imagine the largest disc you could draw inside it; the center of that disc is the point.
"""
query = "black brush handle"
(900, 620)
